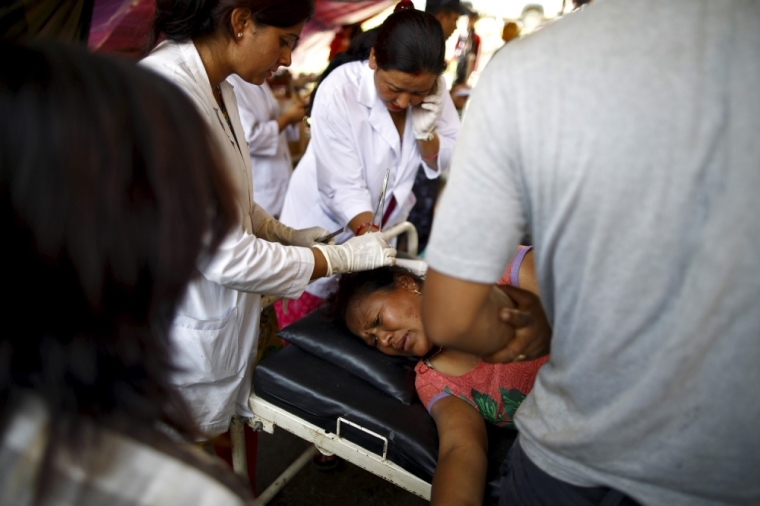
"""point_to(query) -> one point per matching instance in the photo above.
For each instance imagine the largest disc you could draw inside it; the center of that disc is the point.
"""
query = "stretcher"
(322, 388)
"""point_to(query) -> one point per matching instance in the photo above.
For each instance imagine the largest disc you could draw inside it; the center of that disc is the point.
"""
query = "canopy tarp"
(123, 25)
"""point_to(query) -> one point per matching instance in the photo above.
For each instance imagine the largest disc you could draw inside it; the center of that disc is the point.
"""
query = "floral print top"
(495, 390)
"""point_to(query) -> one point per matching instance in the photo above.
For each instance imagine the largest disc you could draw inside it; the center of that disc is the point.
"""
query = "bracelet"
(365, 225)
(431, 157)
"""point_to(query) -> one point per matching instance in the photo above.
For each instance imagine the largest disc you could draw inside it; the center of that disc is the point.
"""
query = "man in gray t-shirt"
(626, 138)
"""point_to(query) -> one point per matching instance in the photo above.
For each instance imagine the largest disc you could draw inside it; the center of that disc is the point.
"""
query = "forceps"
(326, 238)
(381, 200)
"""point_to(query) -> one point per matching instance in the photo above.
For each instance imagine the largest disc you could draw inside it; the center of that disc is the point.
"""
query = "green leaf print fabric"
(495, 390)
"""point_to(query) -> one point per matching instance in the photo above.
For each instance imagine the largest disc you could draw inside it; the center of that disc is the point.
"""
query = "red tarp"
(123, 25)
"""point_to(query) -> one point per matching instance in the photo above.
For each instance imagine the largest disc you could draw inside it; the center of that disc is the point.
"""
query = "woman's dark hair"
(358, 50)
(409, 41)
(111, 191)
(358, 284)
(412, 42)
(182, 20)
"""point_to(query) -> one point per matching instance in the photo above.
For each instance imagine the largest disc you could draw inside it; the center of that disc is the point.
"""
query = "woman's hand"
(362, 253)
(274, 231)
(291, 115)
(307, 237)
(425, 115)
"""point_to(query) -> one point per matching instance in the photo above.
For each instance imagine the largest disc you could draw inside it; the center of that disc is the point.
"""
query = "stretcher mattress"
(319, 392)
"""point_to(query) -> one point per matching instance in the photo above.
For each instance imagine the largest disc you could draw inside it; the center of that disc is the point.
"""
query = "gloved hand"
(307, 237)
(274, 231)
(361, 253)
(426, 114)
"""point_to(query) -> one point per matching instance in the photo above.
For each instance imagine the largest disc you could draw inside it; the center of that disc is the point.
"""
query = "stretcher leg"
(237, 440)
(286, 476)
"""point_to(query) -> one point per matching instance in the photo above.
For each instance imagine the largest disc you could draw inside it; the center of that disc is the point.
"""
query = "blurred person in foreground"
(637, 178)
(104, 223)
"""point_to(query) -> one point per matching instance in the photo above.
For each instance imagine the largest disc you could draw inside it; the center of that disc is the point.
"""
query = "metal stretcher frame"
(266, 416)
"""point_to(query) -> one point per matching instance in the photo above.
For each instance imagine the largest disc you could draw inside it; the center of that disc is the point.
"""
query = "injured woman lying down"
(461, 392)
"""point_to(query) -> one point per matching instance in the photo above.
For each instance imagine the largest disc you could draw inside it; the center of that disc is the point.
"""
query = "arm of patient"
(460, 476)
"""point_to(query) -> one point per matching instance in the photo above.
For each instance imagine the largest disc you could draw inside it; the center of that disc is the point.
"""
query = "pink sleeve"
(429, 385)
(510, 276)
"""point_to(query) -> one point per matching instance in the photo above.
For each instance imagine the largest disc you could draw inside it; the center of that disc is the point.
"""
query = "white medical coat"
(353, 142)
(267, 146)
(216, 328)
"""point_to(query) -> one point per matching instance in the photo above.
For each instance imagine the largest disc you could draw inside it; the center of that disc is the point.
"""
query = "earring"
(416, 292)
(240, 34)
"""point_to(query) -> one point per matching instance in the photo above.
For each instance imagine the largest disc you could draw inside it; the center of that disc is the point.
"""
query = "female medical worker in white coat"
(216, 327)
(390, 112)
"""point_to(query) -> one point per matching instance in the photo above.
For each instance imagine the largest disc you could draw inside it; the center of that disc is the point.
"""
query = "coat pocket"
(206, 351)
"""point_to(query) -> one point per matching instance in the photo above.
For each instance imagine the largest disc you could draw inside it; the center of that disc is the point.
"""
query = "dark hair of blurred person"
(105, 219)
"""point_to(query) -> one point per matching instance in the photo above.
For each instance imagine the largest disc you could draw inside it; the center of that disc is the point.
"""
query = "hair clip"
(404, 5)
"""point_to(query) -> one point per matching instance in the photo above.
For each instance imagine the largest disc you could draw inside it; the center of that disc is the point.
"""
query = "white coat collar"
(198, 72)
(379, 117)
(367, 90)
(196, 69)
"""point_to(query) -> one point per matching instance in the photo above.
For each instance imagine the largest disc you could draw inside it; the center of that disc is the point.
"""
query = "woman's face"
(264, 49)
(398, 90)
(390, 321)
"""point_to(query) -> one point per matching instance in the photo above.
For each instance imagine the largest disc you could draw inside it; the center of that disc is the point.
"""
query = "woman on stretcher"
(460, 391)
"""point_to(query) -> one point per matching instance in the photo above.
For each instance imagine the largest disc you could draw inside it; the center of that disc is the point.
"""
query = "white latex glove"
(274, 231)
(362, 253)
(426, 114)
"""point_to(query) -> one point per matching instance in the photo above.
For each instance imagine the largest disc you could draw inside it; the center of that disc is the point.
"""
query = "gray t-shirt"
(626, 137)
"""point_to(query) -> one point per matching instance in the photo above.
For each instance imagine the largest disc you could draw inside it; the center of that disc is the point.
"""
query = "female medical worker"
(390, 112)
(216, 328)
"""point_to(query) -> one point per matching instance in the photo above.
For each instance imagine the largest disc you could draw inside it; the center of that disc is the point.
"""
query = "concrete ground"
(347, 486)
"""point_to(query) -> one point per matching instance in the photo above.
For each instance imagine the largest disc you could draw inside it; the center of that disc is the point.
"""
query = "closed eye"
(371, 338)
(288, 43)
